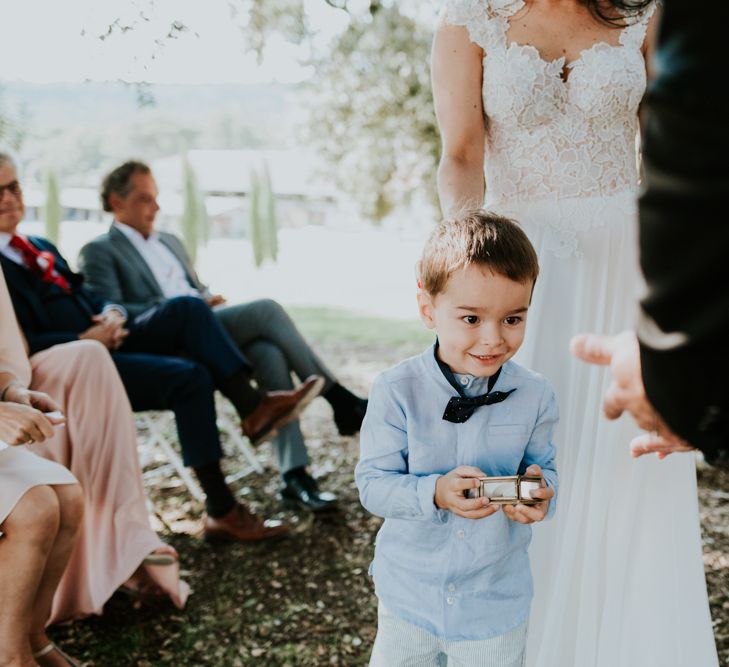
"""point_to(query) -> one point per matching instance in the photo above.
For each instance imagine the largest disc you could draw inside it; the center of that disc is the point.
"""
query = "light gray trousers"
(402, 644)
(265, 333)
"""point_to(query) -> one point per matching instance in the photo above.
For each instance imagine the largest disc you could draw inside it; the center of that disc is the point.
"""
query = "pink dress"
(99, 446)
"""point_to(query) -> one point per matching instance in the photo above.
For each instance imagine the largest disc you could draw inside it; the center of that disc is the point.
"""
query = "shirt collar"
(453, 378)
(4, 240)
(132, 234)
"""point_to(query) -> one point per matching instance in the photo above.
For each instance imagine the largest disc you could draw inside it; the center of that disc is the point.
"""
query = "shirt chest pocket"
(507, 430)
(506, 445)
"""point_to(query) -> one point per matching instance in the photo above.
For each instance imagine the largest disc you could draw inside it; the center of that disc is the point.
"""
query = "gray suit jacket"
(115, 271)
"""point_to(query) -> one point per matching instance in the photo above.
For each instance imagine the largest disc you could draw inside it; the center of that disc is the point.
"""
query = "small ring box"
(509, 490)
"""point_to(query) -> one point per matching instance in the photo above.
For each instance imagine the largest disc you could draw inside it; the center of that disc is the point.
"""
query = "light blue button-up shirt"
(457, 578)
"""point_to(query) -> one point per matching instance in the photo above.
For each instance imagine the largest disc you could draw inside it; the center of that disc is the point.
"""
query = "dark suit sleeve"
(42, 341)
(38, 338)
(99, 268)
(684, 234)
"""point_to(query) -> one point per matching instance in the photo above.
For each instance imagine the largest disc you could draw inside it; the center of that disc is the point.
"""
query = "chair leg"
(158, 439)
(182, 471)
(241, 443)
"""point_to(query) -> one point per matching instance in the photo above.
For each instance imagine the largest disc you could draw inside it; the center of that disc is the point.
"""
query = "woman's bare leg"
(70, 499)
(30, 532)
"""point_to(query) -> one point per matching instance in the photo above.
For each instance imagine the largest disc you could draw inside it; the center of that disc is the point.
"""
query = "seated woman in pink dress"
(41, 505)
(98, 444)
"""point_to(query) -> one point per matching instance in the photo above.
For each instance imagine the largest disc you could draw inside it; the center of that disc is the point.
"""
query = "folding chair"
(157, 454)
(160, 455)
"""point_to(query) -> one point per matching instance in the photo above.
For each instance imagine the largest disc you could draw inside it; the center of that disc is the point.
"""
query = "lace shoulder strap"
(634, 34)
(485, 20)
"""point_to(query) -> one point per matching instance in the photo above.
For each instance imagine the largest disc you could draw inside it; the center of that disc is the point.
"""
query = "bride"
(543, 95)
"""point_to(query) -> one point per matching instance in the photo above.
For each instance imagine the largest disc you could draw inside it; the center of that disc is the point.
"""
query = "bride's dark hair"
(604, 10)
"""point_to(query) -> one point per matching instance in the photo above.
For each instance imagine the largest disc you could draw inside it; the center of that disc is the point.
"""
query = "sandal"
(165, 555)
(52, 647)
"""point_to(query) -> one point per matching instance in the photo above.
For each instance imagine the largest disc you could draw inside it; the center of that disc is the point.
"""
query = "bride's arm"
(456, 69)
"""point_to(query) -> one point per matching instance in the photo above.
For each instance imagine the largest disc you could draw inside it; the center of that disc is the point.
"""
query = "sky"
(47, 41)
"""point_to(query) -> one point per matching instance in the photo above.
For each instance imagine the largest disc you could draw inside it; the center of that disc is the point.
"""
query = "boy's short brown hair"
(476, 237)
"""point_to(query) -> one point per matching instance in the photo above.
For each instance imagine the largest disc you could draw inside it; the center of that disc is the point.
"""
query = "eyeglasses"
(13, 188)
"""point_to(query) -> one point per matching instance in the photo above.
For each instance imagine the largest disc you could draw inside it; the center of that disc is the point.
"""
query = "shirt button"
(464, 381)
(451, 587)
(450, 600)
(461, 534)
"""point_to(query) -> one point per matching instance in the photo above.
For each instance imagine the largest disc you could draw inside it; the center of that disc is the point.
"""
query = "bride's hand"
(531, 513)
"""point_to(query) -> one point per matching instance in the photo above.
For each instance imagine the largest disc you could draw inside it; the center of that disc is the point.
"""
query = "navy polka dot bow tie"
(460, 408)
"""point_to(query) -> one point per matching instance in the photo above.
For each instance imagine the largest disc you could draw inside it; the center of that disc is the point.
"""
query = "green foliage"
(372, 113)
(52, 209)
(194, 222)
(370, 102)
(254, 219)
(264, 17)
(262, 221)
(268, 213)
(371, 105)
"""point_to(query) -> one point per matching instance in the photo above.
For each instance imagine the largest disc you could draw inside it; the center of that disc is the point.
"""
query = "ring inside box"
(508, 490)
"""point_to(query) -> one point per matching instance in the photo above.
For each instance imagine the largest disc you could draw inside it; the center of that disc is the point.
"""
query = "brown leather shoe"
(241, 525)
(278, 408)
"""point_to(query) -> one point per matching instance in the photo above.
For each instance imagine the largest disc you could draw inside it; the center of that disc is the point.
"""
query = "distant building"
(79, 204)
(302, 196)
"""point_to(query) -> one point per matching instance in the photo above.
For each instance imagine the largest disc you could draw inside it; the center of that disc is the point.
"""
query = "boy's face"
(480, 319)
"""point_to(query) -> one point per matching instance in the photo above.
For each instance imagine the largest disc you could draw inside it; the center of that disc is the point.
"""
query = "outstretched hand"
(652, 443)
(626, 393)
(450, 489)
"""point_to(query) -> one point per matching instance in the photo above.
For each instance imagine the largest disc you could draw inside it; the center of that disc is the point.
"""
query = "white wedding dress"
(618, 573)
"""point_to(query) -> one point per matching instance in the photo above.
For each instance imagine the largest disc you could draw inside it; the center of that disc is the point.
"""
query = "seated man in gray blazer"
(137, 267)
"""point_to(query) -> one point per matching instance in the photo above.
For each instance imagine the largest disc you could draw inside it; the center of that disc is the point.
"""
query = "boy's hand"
(449, 496)
(531, 513)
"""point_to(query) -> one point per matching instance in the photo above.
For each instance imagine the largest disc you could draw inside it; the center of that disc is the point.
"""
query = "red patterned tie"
(44, 269)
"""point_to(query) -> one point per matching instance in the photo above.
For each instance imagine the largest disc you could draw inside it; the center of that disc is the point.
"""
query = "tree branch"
(339, 4)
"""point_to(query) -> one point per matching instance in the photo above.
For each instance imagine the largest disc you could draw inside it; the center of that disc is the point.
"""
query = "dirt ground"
(305, 601)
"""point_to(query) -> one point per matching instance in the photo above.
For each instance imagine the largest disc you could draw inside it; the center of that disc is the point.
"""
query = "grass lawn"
(330, 326)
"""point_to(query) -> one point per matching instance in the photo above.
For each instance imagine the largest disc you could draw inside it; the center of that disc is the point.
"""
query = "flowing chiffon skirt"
(99, 446)
(619, 579)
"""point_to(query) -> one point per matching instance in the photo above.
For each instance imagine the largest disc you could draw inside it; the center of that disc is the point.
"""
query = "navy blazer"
(45, 313)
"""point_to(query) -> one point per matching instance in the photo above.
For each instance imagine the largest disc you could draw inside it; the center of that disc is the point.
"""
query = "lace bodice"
(550, 138)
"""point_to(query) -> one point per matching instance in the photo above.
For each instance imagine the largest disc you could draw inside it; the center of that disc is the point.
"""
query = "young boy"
(452, 574)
